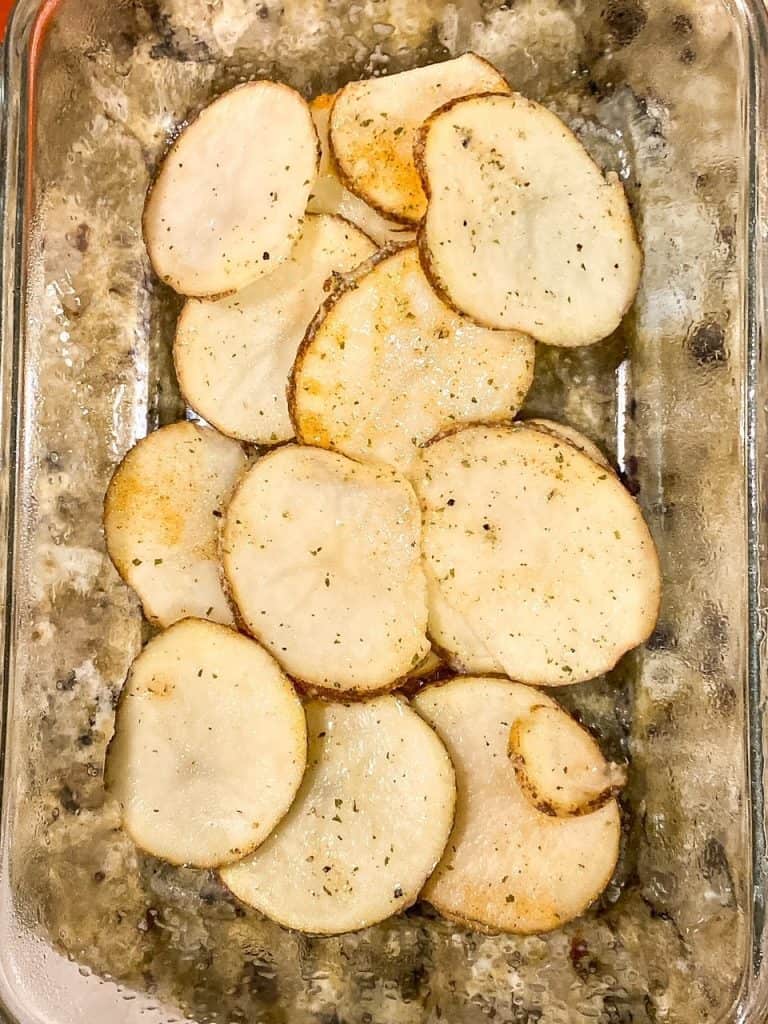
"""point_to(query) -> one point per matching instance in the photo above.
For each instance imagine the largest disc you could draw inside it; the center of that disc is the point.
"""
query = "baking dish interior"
(665, 95)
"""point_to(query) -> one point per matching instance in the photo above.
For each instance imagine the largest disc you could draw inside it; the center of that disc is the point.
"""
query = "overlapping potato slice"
(233, 355)
(387, 366)
(508, 866)
(229, 197)
(428, 667)
(559, 766)
(161, 518)
(210, 745)
(523, 231)
(538, 552)
(329, 194)
(453, 635)
(572, 436)
(322, 558)
(374, 124)
(368, 826)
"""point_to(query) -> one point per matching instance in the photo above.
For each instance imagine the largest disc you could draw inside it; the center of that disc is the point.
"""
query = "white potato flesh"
(374, 124)
(431, 664)
(210, 745)
(572, 436)
(233, 355)
(559, 766)
(388, 366)
(161, 519)
(227, 203)
(452, 634)
(523, 231)
(542, 553)
(323, 562)
(329, 194)
(508, 866)
(368, 826)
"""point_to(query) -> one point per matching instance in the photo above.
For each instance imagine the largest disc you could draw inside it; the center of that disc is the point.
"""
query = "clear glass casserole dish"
(672, 96)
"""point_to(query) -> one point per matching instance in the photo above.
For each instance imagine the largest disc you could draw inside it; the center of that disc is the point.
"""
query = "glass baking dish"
(670, 95)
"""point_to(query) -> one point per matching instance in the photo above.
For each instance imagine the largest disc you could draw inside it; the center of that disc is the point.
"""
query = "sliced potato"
(210, 745)
(387, 366)
(572, 436)
(329, 195)
(428, 667)
(233, 355)
(161, 519)
(542, 553)
(367, 828)
(508, 866)
(374, 125)
(227, 203)
(559, 766)
(523, 231)
(322, 558)
(454, 636)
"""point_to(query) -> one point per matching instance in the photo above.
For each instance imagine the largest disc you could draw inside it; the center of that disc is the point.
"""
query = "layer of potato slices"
(233, 355)
(538, 551)
(210, 745)
(323, 562)
(368, 826)
(387, 366)
(161, 519)
(374, 125)
(523, 231)
(508, 866)
(227, 203)
(330, 195)
(572, 436)
(558, 764)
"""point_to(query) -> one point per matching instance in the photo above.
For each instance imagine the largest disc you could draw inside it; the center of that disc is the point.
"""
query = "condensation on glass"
(666, 94)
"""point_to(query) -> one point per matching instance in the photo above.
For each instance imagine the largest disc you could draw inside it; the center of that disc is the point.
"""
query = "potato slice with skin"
(233, 356)
(559, 766)
(523, 231)
(573, 437)
(374, 125)
(210, 745)
(322, 558)
(161, 518)
(507, 866)
(368, 826)
(387, 366)
(541, 552)
(227, 203)
(329, 195)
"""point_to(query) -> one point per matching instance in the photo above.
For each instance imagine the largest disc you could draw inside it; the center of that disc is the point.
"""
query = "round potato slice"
(329, 195)
(233, 356)
(368, 826)
(228, 200)
(387, 366)
(507, 866)
(210, 745)
(559, 766)
(322, 558)
(374, 125)
(161, 518)
(541, 553)
(523, 231)
(572, 436)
